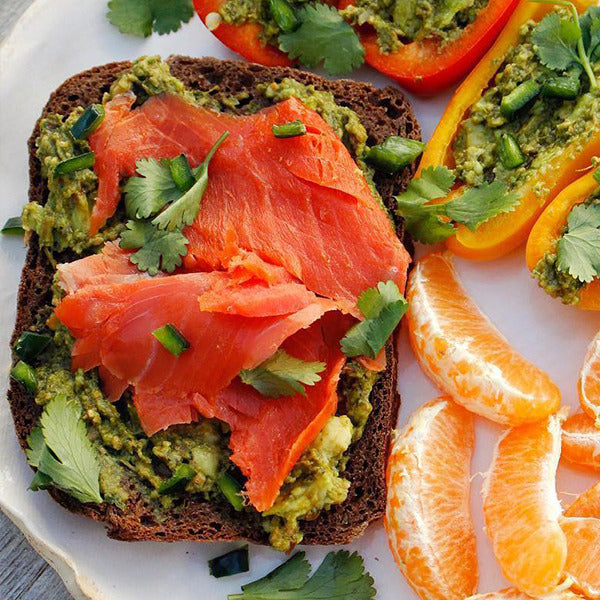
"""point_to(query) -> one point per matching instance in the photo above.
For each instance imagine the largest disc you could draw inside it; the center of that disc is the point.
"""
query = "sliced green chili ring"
(183, 474)
(88, 122)
(181, 172)
(394, 153)
(284, 15)
(519, 98)
(509, 151)
(13, 226)
(287, 130)
(30, 345)
(231, 489)
(171, 339)
(76, 163)
(232, 563)
(25, 375)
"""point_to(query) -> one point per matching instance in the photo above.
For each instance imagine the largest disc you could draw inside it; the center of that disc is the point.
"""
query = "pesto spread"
(542, 130)
(553, 280)
(397, 22)
(134, 466)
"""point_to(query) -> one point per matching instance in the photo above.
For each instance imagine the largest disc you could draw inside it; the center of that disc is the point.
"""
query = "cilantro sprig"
(578, 250)
(340, 575)
(141, 17)
(432, 223)
(561, 43)
(383, 307)
(323, 38)
(62, 453)
(283, 375)
(155, 195)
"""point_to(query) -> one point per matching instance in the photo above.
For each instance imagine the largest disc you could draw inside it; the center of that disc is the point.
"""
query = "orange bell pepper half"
(547, 230)
(507, 231)
(243, 39)
(425, 67)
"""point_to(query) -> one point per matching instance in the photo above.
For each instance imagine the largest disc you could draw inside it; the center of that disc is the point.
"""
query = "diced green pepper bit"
(231, 489)
(232, 563)
(171, 339)
(88, 122)
(76, 163)
(183, 474)
(519, 97)
(30, 345)
(394, 153)
(510, 153)
(25, 375)
(13, 226)
(181, 172)
(566, 87)
(287, 130)
(284, 15)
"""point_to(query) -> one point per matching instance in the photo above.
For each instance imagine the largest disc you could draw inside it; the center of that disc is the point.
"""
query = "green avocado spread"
(133, 465)
(554, 281)
(398, 22)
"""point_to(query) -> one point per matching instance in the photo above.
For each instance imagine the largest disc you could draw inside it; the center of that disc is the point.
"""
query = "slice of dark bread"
(383, 112)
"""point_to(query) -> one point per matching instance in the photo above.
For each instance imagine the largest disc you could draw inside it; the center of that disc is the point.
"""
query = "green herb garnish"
(232, 563)
(283, 375)
(324, 38)
(578, 250)
(341, 575)
(171, 339)
(561, 43)
(432, 223)
(62, 452)
(156, 250)
(141, 17)
(383, 307)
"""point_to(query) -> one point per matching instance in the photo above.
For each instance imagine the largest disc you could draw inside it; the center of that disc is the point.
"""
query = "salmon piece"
(113, 327)
(300, 203)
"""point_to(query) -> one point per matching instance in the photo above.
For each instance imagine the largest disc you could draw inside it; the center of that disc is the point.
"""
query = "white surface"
(58, 38)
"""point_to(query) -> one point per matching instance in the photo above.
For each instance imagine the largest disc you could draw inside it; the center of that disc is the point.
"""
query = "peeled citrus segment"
(514, 594)
(587, 504)
(428, 520)
(581, 441)
(583, 559)
(466, 356)
(589, 381)
(521, 507)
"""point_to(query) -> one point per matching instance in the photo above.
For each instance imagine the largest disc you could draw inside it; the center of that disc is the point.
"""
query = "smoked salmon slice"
(301, 203)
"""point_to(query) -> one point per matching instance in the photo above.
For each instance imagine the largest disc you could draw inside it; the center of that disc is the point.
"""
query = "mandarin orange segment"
(466, 356)
(583, 559)
(589, 381)
(514, 594)
(521, 507)
(428, 520)
(587, 504)
(581, 441)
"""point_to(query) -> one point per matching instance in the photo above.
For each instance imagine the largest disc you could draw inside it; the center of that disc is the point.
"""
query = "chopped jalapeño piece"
(519, 97)
(88, 122)
(231, 489)
(181, 172)
(171, 339)
(13, 226)
(232, 563)
(510, 153)
(394, 153)
(75, 163)
(25, 375)
(30, 345)
(287, 130)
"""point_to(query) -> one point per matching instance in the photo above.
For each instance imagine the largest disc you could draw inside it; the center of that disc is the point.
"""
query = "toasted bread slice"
(383, 112)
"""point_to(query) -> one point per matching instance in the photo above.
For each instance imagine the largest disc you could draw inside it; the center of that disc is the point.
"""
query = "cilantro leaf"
(283, 375)
(578, 250)
(147, 194)
(62, 452)
(185, 209)
(383, 307)
(158, 250)
(432, 223)
(324, 38)
(555, 39)
(590, 30)
(340, 576)
(140, 17)
(478, 205)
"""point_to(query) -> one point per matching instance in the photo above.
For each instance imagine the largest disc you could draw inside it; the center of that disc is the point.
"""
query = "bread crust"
(383, 112)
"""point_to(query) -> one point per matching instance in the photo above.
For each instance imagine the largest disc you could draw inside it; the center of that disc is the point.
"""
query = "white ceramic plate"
(58, 38)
